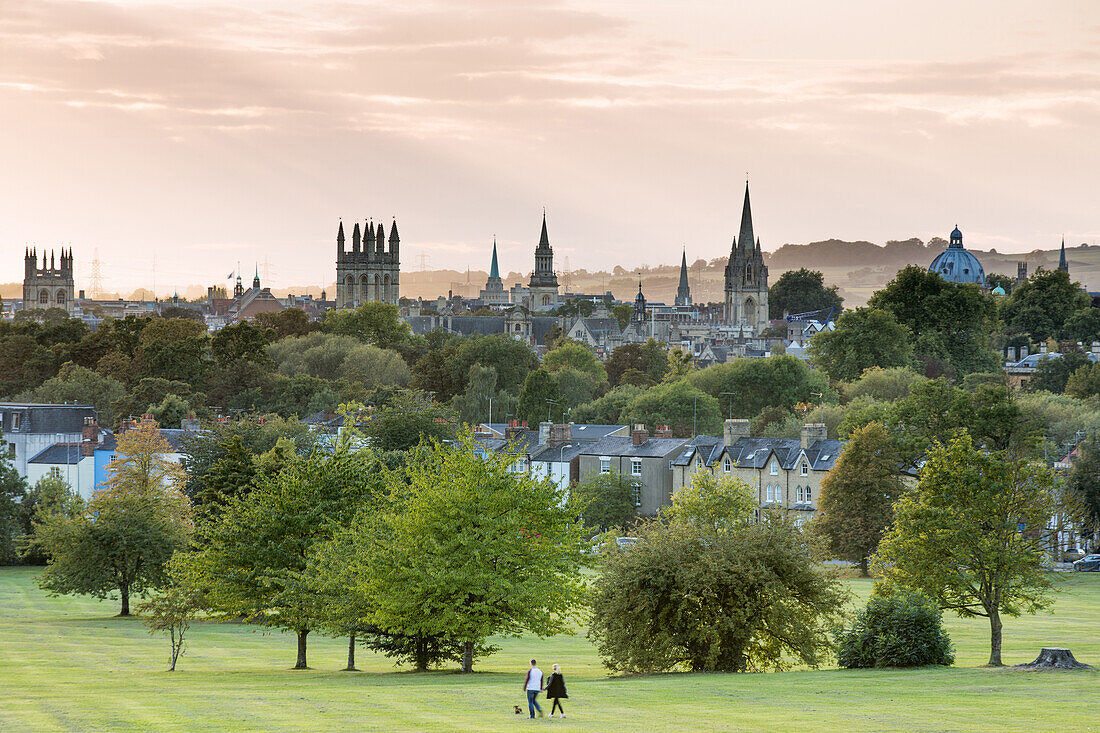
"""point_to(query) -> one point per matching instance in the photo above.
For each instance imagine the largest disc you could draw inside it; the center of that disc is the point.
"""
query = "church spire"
(544, 240)
(1062, 264)
(746, 238)
(494, 269)
(683, 292)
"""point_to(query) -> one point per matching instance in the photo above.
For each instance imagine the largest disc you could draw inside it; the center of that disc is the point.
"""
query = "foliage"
(172, 610)
(173, 349)
(12, 508)
(970, 535)
(443, 370)
(1042, 304)
(754, 384)
(373, 323)
(606, 500)
(1084, 382)
(284, 323)
(802, 291)
(1083, 325)
(648, 360)
(895, 629)
(684, 408)
(1052, 373)
(373, 367)
(746, 600)
(882, 384)
(408, 419)
(1057, 417)
(540, 396)
(576, 388)
(863, 339)
(1084, 482)
(129, 530)
(462, 547)
(608, 409)
(950, 325)
(232, 475)
(170, 412)
(856, 503)
(79, 385)
(712, 504)
(574, 355)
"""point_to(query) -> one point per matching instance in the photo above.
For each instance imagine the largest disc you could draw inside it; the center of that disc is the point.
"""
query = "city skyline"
(240, 132)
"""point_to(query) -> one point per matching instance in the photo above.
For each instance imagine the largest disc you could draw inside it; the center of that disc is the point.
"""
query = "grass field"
(69, 664)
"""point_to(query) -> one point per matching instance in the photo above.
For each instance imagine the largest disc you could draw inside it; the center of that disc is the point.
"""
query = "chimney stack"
(640, 434)
(813, 432)
(89, 436)
(544, 432)
(662, 431)
(561, 434)
(734, 430)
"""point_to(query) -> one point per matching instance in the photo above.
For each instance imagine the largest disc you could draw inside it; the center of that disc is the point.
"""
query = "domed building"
(956, 265)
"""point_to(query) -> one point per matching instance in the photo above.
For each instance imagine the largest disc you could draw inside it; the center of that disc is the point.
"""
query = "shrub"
(896, 629)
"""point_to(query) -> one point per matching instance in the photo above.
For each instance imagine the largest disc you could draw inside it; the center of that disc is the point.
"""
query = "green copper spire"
(494, 270)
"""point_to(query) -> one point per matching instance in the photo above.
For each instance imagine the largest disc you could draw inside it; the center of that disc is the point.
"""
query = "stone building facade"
(48, 286)
(369, 272)
(747, 278)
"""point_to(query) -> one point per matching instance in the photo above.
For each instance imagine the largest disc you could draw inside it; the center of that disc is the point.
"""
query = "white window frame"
(635, 466)
(773, 469)
(636, 493)
(769, 495)
(15, 422)
(727, 465)
(605, 465)
(805, 470)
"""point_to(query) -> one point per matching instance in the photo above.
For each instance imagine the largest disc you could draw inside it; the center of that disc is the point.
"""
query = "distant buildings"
(369, 273)
(48, 286)
(956, 265)
(747, 278)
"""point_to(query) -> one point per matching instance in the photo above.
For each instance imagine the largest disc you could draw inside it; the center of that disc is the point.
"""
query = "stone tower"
(683, 291)
(640, 315)
(49, 286)
(494, 292)
(543, 285)
(747, 278)
(369, 273)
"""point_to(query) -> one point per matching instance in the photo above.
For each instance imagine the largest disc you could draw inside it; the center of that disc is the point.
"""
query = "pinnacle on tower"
(746, 238)
(380, 238)
(393, 233)
(355, 238)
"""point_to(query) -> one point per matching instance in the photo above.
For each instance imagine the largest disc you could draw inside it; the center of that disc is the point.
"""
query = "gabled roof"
(755, 452)
(617, 446)
(65, 454)
(709, 447)
(526, 440)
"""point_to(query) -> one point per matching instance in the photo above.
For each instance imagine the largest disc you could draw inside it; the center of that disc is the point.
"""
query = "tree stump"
(1054, 657)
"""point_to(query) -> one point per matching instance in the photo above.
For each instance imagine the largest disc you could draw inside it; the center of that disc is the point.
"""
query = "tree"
(755, 384)
(856, 504)
(473, 407)
(50, 495)
(895, 629)
(685, 409)
(802, 291)
(233, 475)
(237, 342)
(284, 323)
(950, 325)
(1042, 305)
(622, 313)
(712, 504)
(79, 385)
(608, 409)
(255, 557)
(882, 384)
(574, 355)
(576, 388)
(1084, 382)
(1053, 372)
(373, 323)
(12, 498)
(170, 412)
(970, 535)
(373, 367)
(129, 530)
(1084, 483)
(648, 359)
(463, 547)
(606, 500)
(407, 420)
(173, 349)
(539, 396)
(172, 610)
(684, 596)
(864, 338)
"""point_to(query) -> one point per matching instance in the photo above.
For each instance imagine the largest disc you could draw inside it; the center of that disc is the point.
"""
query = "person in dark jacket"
(555, 690)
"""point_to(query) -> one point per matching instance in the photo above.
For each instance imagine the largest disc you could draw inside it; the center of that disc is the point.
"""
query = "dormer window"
(727, 465)
(805, 470)
(774, 470)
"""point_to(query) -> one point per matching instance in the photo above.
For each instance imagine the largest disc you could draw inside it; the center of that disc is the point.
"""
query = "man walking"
(533, 686)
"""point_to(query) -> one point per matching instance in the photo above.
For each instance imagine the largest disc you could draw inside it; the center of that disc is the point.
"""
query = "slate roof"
(65, 454)
(616, 446)
(708, 446)
(526, 440)
(46, 418)
(754, 452)
(557, 454)
(608, 326)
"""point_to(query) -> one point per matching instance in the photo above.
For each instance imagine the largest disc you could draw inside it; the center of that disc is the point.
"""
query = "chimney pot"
(813, 432)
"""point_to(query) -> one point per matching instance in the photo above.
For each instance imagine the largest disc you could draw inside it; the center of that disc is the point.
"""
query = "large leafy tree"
(12, 497)
(864, 338)
(971, 535)
(608, 409)
(462, 547)
(1053, 373)
(284, 323)
(686, 409)
(239, 342)
(606, 500)
(687, 596)
(408, 419)
(950, 325)
(1084, 483)
(1043, 304)
(713, 504)
(373, 323)
(572, 354)
(750, 385)
(255, 557)
(802, 291)
(77, 384)
(648, 363)
(856, 503)
(129, 530)
(173, 349)
(539, 398)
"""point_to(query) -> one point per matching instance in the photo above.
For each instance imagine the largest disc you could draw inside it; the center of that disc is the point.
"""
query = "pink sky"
(204, 133)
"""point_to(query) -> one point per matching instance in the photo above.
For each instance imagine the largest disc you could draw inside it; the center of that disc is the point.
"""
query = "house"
(640, 456)
(783, 472)
(30, 428)
(560, 446)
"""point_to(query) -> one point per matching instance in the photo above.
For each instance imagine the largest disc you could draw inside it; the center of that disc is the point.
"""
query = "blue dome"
(956, 265)
(998, 290)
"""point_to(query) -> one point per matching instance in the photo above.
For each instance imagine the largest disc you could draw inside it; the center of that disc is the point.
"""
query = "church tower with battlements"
(370, 272)
(48, 286)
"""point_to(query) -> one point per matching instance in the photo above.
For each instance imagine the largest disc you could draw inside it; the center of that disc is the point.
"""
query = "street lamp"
(561, 459)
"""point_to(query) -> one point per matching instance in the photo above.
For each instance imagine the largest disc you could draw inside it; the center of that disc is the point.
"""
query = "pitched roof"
(619, 446)
(65, 454)
(754, 452)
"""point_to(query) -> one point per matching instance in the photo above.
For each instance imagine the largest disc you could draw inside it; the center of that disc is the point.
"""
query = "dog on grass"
(518, 711)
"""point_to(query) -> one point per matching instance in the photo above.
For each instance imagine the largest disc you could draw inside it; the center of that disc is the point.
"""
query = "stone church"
(48, 286)
(541, 292)
(369, 272)
(747, 278)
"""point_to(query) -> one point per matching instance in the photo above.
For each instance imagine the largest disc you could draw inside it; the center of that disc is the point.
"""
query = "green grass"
(69, 664)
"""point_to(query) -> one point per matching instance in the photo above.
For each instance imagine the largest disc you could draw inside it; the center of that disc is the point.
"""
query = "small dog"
(518, 711)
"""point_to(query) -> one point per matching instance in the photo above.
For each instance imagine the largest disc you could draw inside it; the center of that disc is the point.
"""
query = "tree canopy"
(802, 291)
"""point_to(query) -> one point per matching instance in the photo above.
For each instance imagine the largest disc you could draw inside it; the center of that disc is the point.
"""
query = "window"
(727, 465)
(636, 492)
(803, 494)
(670, 465)
(807, 497)
(805, 470)
(769, 495)
(635, 466)
(15, 420)
(605, 465)
(778, 494)
(44, 296)
(774, 470)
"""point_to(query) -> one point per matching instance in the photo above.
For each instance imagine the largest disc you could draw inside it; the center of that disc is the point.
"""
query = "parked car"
(1088, 563)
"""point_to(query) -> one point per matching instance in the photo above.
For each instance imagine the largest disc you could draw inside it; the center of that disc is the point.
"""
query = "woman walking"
(555, 690)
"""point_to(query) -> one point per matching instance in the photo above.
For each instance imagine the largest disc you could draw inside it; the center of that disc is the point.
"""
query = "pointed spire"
(544, 240)
(494, 269)
(1062, 264)
(355, 238)
(746, 238)
(393, 232)
(380, 237)
(340, 233)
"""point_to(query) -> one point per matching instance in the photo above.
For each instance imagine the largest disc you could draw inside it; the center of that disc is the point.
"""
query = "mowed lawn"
(70, 664)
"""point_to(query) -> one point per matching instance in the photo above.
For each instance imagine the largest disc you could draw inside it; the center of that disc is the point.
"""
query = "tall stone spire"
(544, 240)
(340, 238)
(355, 236)
(746, 238)
(683, 292)
(1062, 264)
(494, 269)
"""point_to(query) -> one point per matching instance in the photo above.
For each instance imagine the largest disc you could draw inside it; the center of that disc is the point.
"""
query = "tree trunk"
(995, 638)
(468, 656)
(301, 664)
(1054, 658)
(351, 654)
(421, 654)
(863, 568)
(124, 591)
